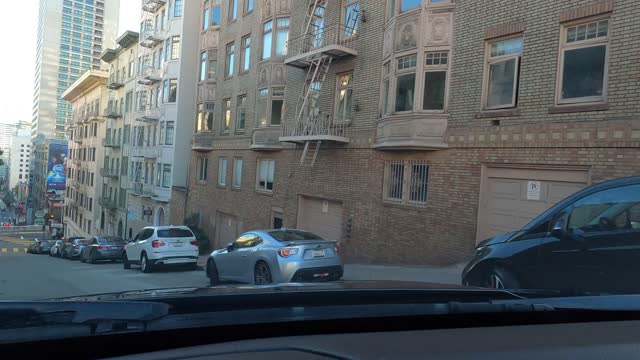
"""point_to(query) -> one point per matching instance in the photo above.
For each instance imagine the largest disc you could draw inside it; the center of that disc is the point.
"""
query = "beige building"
(83, 201)
(119, 114)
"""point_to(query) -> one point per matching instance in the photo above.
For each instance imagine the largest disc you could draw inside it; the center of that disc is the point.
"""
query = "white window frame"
(222, 171)
(236, 181)
(245, 54)
(579, 45)
(488, 61)
(406, 71)
(435, 68)
(270, 166)
(406, 184)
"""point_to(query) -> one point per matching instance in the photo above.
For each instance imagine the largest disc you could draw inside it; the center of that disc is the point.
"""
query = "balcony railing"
(150, 37)
(315, 128)
(146, 152)
(108, 203)
(149, 76)
(337, 41)
(148, 115)
(266, 139)
(112, 112)
(110, 142)
(115, 82)
(152, 5)
(109, 173)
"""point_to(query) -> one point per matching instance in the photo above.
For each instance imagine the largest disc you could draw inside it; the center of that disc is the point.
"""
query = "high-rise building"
(19, 157)
(71, 37)
(7, 131)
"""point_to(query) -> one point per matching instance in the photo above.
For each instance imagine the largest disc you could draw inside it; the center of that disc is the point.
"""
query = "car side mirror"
(230, 247)
(558, 229)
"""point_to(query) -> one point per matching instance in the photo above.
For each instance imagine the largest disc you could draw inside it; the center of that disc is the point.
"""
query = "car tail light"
(75, 246)
(157, 243)
(338, 249)
(286, 252)
(194, 242)
(102, 247)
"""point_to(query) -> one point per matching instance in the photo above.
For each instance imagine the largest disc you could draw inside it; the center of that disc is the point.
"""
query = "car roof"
(267, 231)
(633, 180)
(166, 227)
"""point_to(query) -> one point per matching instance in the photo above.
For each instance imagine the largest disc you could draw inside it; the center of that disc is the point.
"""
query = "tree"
(201, 236)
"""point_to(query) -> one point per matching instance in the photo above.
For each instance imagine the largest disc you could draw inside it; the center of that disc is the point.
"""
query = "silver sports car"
(276, 256)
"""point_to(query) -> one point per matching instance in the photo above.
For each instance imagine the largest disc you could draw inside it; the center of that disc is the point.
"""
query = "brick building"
(407, 130)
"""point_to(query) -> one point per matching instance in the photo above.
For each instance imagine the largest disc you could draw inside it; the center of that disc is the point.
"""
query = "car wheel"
(125, 261)
(82, 259)
(500, 278)
(262, 274)
(212, 273)
(92, 258)
(145, 266)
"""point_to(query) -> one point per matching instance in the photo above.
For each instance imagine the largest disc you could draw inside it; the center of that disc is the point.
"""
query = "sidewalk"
(440, 275)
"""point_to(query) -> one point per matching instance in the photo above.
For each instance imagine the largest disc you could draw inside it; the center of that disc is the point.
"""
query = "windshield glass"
(447, 143)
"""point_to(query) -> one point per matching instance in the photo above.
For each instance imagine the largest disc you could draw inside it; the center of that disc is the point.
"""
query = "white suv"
(161, 245)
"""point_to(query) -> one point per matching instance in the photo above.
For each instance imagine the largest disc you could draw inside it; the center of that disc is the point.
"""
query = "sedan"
(56, 249)
(72, 247)
(39, 247)
(276, 256)
(102, 248)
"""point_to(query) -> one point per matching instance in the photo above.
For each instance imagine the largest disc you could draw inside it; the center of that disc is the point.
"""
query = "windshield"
(446, 143)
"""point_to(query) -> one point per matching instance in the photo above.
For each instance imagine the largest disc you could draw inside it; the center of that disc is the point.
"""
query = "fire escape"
(314, 51)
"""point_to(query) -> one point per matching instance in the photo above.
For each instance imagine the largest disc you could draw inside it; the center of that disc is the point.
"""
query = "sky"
(17, 62)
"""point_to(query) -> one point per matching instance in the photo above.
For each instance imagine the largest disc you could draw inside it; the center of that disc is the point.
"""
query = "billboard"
(57, 168)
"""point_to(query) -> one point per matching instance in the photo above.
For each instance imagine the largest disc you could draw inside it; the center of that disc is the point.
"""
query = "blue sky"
(17, 62)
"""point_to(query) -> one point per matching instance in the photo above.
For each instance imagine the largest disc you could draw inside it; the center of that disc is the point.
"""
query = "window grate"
(406, 182)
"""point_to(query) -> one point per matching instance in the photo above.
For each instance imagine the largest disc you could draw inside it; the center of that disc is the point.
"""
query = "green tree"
(192, 222)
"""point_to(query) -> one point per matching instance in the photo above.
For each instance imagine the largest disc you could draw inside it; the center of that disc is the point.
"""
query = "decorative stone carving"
(438, 29)
(387, 47)
(282, 6)
(263, 74)
(278, 74)
(266, 9)
(406, 34)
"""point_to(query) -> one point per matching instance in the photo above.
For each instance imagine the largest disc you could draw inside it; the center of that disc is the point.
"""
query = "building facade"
(408, 130)
(19, 157)
(86, 196)
(122, 85)
(76, 32)
(163, 105)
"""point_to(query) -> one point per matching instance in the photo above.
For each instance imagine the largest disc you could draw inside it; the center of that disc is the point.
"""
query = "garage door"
(227, 230)
(323, 217)
(510, 198)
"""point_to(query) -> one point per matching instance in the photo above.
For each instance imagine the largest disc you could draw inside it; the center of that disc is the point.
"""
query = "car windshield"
(448, 143)
(293, 235)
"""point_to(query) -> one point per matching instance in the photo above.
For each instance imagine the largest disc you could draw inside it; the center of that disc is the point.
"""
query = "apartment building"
(71, 36)
(408, 130)
(83, 203)
(19, 157)
(122, 84)
(163, 105)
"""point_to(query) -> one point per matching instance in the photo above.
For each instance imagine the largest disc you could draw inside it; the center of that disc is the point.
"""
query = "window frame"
(406, 183)
(264, 32)
(340, 87)
(236, 181)
(232, 15)
(223, 165)
(563, 46)
(174, 50)
(241, 108)
(344, 35)
(436, 68)
(202, 168)
(245, 54)
(230, 58)
(402, 72)
(489, 60)
(270, 165)
(226, 116)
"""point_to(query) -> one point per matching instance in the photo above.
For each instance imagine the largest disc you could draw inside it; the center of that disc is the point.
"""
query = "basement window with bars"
(406, 182)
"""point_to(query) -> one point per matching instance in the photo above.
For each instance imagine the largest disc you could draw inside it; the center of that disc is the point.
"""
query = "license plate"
(317, 253)
(177, 244)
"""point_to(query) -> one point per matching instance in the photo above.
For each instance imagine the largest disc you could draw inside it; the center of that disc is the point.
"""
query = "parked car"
(56, 249)
(161, 245)
(72, 247)
(39, 247)
(276, 256)
(589, 242)
(102, 248)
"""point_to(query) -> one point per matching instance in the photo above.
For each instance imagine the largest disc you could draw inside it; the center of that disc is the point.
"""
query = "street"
(26, 276)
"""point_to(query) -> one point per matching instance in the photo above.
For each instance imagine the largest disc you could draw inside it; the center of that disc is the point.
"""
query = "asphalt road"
(26, 276)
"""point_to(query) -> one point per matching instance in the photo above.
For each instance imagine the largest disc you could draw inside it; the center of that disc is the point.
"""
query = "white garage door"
(322, 217)
(510, 198)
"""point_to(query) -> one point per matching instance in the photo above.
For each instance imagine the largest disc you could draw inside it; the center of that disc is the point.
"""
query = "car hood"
(498, 239)
(254, 289)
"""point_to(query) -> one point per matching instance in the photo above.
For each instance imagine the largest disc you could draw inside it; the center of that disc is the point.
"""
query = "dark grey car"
(72, 247)
(102, 248)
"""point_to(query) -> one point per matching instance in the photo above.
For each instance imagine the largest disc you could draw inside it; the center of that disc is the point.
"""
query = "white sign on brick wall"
(533, 190)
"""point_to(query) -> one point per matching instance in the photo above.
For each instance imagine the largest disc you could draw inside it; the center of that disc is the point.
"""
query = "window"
(226, 115)
(166, 175)
(241, 112)
(406, 182)
(277, 105)
(203, 164)
(583, 62)
(282, 36)
(167, 48)
(386, 88)
(168, 138)
(222, 172)
(267, 39)
(215, 15)
(435, 81)
(177, 8)
(205, 16)
(245, 54)
(350, 16)
(344, 95)
(248, 6)
(233, 10)
(406, 5)
(266, 169)
(213, 64)
(237, 172)
(405, 83)
(204, 121)
(175, 47)
(171, 90)
(203, 66)
(503, 72)
(613, 211)
(231, 49)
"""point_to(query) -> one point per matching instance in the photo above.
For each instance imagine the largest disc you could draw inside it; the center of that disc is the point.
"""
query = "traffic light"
(51, 216)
